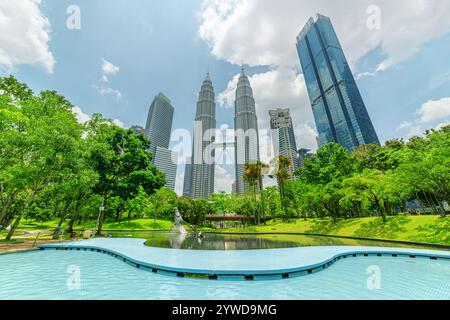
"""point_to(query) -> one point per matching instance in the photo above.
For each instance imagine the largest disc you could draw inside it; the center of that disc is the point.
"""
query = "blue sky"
(402, 68)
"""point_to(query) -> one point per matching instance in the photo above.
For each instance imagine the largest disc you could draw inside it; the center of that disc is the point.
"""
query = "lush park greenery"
(424, 229)
(56, 173)
(54, 168)
(371, 181)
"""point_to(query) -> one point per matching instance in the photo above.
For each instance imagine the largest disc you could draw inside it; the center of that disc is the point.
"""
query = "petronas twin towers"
(199, 175)
(203, 154)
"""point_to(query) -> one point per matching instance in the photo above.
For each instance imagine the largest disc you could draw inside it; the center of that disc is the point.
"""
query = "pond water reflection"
(215, 241)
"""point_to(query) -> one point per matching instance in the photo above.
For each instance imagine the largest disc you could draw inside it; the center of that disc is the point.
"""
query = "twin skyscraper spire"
(199, 174)
(339, 111)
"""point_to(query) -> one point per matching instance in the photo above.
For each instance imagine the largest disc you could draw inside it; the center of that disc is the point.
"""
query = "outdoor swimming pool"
(55, 274)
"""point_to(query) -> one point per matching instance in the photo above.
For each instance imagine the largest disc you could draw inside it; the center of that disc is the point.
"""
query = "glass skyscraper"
(338, 107)
(159, 122)
(158, 129)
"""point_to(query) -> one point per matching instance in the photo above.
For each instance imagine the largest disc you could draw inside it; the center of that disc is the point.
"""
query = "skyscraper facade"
(246, 130)
(283, 137)
(138, 129)
(303, 154)
(166, 161)
(159, 122)
(338, 107)
(187, 178)
(158, 129)
(203, 155)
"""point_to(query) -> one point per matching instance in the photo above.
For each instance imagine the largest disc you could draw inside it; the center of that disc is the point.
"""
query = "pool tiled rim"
(231, 265)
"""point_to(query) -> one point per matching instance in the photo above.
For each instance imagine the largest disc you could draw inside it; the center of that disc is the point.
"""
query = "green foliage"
(53, 166)
(195, 211)
(221, 203)
(164, 202)
(376, 180)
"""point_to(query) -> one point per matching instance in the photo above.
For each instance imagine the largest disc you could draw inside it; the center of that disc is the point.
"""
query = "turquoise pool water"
(54, 275)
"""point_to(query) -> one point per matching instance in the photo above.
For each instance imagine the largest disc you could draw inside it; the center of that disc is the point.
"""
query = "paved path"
(239, 262)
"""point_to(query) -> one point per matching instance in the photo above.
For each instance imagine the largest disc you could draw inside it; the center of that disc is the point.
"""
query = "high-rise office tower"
(158, 129)
(338, 107)
(166, 161)
(246, 130)
(283, 137)
(233, 187)
(138, 129)
(203, 155)
(159, 122)
(187, 178)
(303, 154)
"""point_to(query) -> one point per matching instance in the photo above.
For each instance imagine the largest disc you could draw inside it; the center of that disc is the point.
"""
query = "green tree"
(253, 175)
(221, 203)
(282, 173)
(194, 212)
(122, 162)
(164, 202)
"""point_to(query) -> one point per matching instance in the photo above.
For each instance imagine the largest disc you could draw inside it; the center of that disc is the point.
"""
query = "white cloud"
(434, 110)
(306, 137)
(278, 88)
(263, 32)
(363, 75)
(118, 123)
(404, 125)
(84, 117)
(109, 91)
(80, 115)
(432, 114)
(222, 179)
(24, 36)
(442, 124)
(108, 69)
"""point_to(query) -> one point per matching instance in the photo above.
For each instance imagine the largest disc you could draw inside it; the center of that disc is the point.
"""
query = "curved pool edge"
(310, 259)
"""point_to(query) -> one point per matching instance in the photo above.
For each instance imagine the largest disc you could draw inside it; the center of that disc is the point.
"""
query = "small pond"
(216, 241)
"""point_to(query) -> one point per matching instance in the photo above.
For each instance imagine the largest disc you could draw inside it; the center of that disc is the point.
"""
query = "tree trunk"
(17, 222)
(101, 218)
(4, 213)
(73, 218)
(380, 208)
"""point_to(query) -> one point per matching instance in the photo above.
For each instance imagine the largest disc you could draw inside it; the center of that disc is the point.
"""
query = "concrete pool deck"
(241, 264)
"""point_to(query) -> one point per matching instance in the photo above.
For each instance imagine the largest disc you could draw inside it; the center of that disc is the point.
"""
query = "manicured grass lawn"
(10, 241)
(426, 229)
(138, 224)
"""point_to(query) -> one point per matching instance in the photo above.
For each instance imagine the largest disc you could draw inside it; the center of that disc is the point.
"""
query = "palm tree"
(283, 167)
(253, 175)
